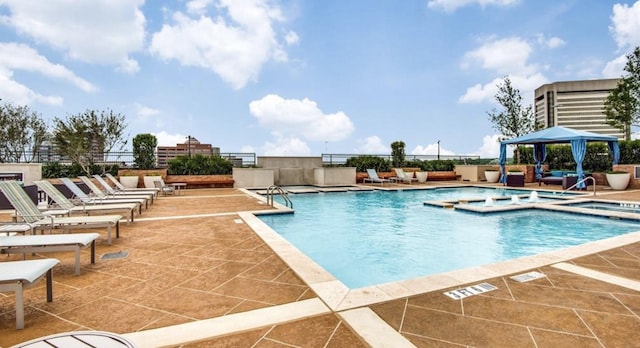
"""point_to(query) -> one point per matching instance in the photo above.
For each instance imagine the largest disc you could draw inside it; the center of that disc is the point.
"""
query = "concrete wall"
(289, 171)
(253, 177)
(30, 171)
(334, 176)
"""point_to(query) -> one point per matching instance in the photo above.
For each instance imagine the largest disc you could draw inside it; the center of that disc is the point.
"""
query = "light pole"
(438, 150)
(189, 145)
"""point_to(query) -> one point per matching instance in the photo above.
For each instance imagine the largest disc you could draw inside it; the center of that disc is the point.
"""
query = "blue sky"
(302, 77)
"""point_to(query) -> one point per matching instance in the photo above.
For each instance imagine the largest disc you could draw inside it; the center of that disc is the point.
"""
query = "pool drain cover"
(117, 255)
(459, 294)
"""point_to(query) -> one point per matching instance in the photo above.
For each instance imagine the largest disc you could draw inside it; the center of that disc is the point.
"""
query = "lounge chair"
(50, 243)
(404, 177)
(121, 188)
(86, 199)
(99, 193)
(373, 177)
(164, 188)
(31, 215)
(64, 203)
(19, 275)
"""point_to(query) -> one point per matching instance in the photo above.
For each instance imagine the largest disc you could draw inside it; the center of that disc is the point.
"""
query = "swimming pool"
(368, 238)
(609, 206)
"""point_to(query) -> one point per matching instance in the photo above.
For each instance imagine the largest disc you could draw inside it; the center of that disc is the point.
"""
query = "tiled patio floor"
(192, 259)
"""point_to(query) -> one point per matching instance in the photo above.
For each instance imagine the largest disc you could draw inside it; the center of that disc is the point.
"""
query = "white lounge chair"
(31, 215)
(50, 243)
(373, 177)
(64, 203)
(86, 199)
(142, 191)
(17, 276)
(113, 193)
(404, 177)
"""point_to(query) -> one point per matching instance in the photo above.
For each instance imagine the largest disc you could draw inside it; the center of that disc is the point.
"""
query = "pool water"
(619, 207)
(368, 238)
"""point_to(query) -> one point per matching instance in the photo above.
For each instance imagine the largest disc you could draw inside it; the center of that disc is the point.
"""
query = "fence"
(338, 159)
(125, 158)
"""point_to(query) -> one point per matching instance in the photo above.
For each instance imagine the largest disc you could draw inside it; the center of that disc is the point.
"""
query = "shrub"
(364, 162)
(199, 165)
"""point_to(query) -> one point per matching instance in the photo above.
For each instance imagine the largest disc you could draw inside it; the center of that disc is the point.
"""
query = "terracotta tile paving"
(192, 268)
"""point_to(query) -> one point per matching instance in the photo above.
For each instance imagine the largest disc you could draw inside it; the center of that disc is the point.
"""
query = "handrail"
(281, 192)
(581, 181)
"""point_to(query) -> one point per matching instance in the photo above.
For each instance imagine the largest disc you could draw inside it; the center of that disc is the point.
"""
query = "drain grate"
(525, 277)
(459, 294)
(117, 255)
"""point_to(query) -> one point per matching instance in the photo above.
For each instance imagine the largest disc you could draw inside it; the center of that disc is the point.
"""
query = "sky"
(305, 77)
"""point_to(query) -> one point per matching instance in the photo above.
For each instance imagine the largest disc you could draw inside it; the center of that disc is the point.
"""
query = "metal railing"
(277, 189)
(339, 159)
(582, 181)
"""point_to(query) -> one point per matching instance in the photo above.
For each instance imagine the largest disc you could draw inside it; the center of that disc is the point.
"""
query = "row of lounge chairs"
(401, 176)
(18, 275)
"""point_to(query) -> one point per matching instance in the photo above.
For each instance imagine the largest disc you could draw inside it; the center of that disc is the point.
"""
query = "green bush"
(364, 162)
(432, 166)
(199, 165)
(52, 170)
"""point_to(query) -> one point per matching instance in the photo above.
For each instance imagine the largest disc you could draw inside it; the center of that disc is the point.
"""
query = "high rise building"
(575, 104)
(190, 147)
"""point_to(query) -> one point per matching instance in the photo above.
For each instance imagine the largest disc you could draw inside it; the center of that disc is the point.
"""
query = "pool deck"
(202, 271)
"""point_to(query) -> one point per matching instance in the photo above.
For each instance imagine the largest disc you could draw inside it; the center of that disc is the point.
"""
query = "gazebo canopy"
(555, 135)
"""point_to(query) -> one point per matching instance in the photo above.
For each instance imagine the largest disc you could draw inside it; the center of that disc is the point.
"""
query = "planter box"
(515, 180)
(129, 181)
(618, 181)
(201, 181)
(492, 176)
(334, 176)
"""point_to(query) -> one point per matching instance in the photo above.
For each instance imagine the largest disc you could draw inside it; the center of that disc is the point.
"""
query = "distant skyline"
(301, 77)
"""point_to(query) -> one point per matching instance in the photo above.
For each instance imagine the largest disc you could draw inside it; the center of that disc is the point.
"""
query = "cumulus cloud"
(234, 44)
(615, 68)
(431, 150)
(102, 32)
(286, 146)
(20, 57)
(167, 139)
(506, 57)
(144, 113)
(293, 118)
(553, 42)
(373, 146)
(625, 25)
(490, 146)
(453, 5)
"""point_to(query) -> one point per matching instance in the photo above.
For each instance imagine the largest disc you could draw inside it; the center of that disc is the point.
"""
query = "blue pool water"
(619, 207)
(368, 238)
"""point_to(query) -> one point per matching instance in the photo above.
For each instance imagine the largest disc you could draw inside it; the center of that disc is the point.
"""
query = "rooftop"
(197, 274)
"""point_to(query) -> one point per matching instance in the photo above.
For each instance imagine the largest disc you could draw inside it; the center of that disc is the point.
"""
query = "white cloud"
(615, 68)
(143, 113)
(490, 146)
(431, 149)
(102, 32)
(553, 42)
(626, 25)
(292, 118)
(166, 139)
(286, 146)
(373, 145)
(198, 6)
(291, 38)
(18, 94)
(506, 57)
(452, 5)
(235, 44)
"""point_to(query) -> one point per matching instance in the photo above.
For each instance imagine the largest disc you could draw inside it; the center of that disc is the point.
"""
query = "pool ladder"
(581, 181)
(275, 189)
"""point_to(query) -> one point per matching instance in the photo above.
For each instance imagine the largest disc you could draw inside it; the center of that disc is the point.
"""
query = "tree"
(397, 153)
(514, 120)
(144, 151)
(22, 133)
(622, 105)
(85, 138)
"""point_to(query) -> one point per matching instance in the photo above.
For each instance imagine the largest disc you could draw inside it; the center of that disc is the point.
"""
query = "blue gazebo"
(557, 135)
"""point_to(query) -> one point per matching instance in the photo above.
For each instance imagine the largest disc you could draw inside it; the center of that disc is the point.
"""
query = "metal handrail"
(281, 192)
(581, 181)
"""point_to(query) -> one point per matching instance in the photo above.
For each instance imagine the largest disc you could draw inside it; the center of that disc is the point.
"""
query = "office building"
(189, 148)
(575, 104)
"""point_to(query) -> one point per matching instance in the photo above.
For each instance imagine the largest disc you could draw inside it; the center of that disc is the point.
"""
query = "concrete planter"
(492, 175)
(618, 181)
(422, 176)
(129, 181)
(148, 180)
